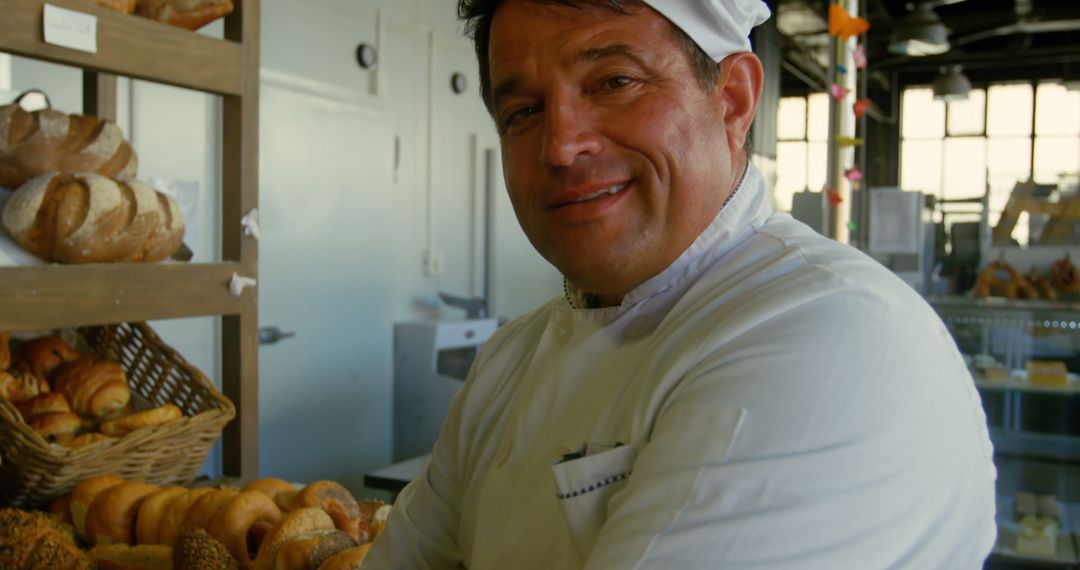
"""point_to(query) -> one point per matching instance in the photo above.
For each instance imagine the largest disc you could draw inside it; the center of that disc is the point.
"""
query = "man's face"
(614, 157)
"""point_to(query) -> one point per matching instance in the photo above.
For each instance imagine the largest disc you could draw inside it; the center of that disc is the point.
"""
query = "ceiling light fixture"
(919, 33)
(952, 85)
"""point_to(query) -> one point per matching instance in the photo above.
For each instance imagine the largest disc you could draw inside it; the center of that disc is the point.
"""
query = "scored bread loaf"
(34, 143)
(86, 218)
(31, 542)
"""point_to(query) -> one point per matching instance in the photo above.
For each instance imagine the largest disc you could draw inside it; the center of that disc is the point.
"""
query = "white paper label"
(70, 29)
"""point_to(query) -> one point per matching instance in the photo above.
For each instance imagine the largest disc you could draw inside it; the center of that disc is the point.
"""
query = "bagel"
(83, 496)
(124, 425)
(291, 525)
(196, 550)
(173, 518)
(270, 486)
(151, 511)
(233, 523)
(206, 507)
(111, 517)
(336, 501)
(350, 559)
(310, 550)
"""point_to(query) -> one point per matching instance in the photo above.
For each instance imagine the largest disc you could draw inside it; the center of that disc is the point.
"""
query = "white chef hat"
(719, 27)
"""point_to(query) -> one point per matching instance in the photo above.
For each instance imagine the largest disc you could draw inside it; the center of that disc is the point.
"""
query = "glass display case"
(1025, 358)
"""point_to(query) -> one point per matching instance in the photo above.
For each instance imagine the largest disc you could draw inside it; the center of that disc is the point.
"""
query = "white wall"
(344, 229)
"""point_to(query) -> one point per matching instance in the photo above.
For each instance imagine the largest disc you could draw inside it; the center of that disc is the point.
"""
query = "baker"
(720, 387)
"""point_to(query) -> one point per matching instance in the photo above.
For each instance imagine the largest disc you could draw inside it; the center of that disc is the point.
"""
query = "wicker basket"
(32, 471)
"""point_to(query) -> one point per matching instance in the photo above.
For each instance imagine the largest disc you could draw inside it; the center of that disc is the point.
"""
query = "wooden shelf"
(54, 296)
(76, 295)
(129, 45)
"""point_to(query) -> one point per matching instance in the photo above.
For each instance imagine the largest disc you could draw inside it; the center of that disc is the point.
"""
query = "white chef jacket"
(772, 400)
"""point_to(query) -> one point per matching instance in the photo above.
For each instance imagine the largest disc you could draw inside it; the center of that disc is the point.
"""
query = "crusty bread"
(34, 143)
(87, 218)
(310, 550)
(30, 542)
(188, 14)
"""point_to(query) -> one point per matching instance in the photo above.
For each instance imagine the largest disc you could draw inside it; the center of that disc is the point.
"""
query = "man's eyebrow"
(602, 52)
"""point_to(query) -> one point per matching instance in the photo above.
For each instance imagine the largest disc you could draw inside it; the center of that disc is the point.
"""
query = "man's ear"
(739, 88)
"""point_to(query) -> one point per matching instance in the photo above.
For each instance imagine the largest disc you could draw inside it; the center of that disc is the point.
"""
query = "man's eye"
(617, 82)
(520, 114)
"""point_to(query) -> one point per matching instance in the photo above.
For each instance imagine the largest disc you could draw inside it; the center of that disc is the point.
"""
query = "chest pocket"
(584, 487)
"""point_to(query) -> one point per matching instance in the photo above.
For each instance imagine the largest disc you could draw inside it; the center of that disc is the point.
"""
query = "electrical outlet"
(432, 262)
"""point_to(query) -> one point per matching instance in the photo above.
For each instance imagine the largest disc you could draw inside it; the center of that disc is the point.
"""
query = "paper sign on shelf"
(70, 29)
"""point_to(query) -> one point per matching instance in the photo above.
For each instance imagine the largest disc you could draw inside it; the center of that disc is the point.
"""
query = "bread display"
(32, 542)
(88, 218)
(38, 142)
(187, 14)
(131, 525)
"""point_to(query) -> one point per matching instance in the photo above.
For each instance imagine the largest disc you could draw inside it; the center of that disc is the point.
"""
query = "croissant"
(17, 385)
(42, 355)
(94, 386)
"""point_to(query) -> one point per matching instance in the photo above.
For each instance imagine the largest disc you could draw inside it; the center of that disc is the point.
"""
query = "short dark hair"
(478, 15)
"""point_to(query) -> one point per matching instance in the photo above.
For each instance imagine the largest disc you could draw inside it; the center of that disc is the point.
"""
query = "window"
(1000, 135)
(801, 150)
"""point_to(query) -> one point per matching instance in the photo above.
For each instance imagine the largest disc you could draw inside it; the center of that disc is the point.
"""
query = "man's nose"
(568, 133)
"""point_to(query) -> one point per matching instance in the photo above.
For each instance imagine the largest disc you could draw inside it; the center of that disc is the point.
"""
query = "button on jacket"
(772, 400)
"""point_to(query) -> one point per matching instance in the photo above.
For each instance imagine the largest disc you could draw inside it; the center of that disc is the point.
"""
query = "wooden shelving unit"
(55, 296)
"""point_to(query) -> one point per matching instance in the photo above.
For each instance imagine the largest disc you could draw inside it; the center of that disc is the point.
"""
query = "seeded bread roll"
(30, 542)
(87, 218)
(34, 143)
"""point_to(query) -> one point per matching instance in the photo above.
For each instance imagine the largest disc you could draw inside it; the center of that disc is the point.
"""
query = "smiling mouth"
(603, 192)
